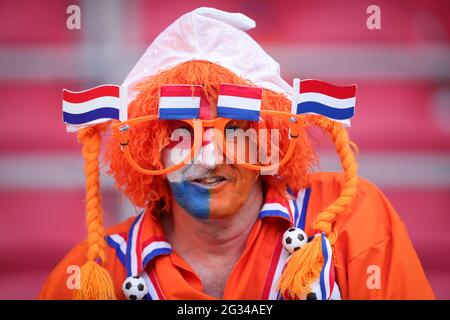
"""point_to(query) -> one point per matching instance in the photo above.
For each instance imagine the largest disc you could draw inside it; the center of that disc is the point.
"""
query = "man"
(231, 229)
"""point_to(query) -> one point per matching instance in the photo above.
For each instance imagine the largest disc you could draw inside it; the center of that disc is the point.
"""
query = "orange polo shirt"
(373, 242)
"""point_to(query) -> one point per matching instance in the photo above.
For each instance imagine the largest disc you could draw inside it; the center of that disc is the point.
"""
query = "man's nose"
(207, 156)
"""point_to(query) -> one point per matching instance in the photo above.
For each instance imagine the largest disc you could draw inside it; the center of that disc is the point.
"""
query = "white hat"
(216, 36)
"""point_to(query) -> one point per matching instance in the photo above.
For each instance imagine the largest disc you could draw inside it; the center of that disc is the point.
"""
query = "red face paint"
(207, 111)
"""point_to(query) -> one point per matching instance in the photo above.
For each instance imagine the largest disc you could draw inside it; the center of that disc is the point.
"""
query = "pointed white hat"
(216, 36)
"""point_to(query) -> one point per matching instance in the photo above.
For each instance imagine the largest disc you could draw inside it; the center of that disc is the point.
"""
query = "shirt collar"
(145, 238)
(141, 244)
(291, 207)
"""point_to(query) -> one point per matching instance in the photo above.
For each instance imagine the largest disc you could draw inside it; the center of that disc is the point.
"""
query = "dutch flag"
(94, 106)
(319, 97)
(179, 102)
(239, 102)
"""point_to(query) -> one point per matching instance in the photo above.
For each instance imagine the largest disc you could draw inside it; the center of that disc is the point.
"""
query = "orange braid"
(343, 145)
(304, 265)
(96, 283)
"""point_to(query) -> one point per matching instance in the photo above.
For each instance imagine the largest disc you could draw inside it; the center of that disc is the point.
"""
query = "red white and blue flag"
(319, 97)
(179, 102)
(94, 106)
(239, 102)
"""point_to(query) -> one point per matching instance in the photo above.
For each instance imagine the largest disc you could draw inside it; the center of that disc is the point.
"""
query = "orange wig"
(147, 143)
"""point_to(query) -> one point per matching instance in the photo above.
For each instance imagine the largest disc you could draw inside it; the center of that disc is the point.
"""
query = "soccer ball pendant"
(134, 288)
(294, 239)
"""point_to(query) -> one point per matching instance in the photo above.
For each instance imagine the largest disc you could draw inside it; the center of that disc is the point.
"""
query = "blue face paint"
(194, 199)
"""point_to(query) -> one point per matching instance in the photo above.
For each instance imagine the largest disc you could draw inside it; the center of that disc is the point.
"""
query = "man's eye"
(235, 125)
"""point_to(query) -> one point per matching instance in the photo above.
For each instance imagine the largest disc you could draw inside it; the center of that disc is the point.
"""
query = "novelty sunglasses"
(236, 104)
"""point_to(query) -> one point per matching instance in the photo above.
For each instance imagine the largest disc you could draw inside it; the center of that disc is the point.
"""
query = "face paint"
(240, 181)
(191, 196)
(205, 189)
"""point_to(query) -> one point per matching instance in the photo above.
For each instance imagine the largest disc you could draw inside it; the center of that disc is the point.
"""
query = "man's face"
(206, 189)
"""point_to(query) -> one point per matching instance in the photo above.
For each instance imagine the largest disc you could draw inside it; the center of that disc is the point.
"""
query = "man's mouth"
(210, 181)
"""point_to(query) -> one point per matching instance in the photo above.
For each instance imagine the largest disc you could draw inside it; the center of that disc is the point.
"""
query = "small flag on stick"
(319, 97)
(239, 102)
(90, 107)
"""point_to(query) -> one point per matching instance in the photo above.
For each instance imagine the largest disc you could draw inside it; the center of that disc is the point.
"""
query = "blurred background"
(402, 122)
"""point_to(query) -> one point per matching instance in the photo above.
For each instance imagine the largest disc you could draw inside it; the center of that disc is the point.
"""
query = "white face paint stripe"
(205, 156)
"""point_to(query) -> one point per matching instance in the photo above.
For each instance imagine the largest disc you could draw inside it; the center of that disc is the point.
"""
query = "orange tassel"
(302, 269)
(96, 283)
